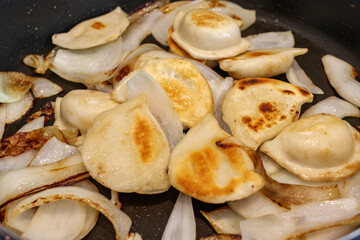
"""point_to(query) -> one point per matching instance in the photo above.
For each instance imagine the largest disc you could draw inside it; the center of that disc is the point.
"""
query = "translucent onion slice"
(94, 32)
(52, 151)
(119, 219)
(16, 110)
(222, 236)
(219, 93)
(104, 86)
(288, 195)
(181, 224)
(301, 219)
(23, 141)
(13, 86)
(161, 28)
(24, 181)
(266, 40)
(62, 219)
(38, 62)
(341, 76)
(145, 9)
(139, 30)
(255, 205)
(91, 213)
(224, 220)
(332, 233)
(2, 119)
(297, 76)
(159, 104)
(20, 222)
(90, 65)
(43, 88)
(33, 125)
(10, 162)
(335, 106)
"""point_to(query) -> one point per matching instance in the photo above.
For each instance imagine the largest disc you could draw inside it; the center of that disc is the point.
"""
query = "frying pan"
(322, 26)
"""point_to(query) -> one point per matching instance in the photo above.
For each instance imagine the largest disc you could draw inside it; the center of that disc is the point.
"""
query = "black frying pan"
(322, 26)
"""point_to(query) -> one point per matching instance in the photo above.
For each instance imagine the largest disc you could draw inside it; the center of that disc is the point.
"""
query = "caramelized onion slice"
(288, 195)
(181, 223)
(20, 222)
(224, 220)
(23, 141)
(94, 32)
(119, 219)
(22, 182)
(38, 62)
(16, 110)
(341, 76)
(297, 76)
(13, 86)
(37, 123)
(335, 106)
(222, 236)
(301, 219)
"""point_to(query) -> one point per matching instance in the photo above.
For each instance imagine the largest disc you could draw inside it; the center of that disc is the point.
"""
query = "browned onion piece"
(119, 219)
(222, 236)
(288, 195)
(224, 220)
(24, 181)
(13, 86)
(47, 111)
(23, 141)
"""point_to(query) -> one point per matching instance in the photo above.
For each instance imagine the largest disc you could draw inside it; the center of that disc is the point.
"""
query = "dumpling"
(261, 62)
(187, 88)
(208, 35)
(126, 150)
(320, 147)
(210, 166)
(257, 109)
(79, 108)
(94, 32)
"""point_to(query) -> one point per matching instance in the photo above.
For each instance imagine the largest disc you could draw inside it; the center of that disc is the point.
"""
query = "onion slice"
(301, 219)
(13, 86)
(38, 62)
(145, 9)
(2, 119)
(119, 219)
(88, 66)
(20, 222)
(37, 123)
(267, 40)
(23, 141)
(335, 106)
(255, 205)
(222, 236)
(16, 110)
(15, 162)
(62, 219)
(297, 76)
(159, 104)
(43, 88)
(181, 223)
(288, 195)
(139, 30)
(52, 151)
(224, 220)
(341, 76)
(24, 181)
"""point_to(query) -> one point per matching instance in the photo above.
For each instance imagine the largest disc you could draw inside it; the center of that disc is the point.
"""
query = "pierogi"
(257, 109)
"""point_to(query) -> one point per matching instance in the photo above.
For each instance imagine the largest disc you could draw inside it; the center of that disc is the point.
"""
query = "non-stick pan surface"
(322, 26)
